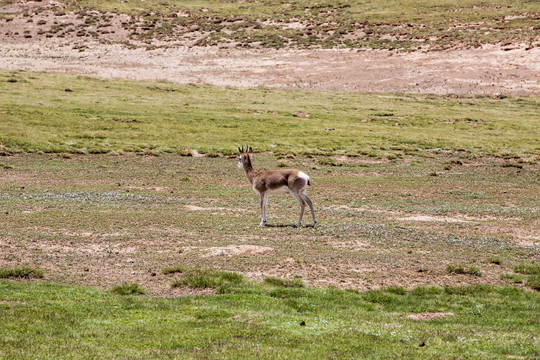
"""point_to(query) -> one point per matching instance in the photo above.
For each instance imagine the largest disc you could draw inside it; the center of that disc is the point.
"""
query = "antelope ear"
(240, 151)
(251, 150)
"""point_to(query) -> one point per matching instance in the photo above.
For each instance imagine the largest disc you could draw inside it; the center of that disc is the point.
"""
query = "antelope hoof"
(263, 223)
(315, 224)
(298, 225)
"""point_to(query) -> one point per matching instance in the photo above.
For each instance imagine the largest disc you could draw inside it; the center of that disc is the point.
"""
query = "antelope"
(266, 183)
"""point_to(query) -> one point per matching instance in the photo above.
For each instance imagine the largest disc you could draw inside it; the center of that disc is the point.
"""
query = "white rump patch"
(303, 176)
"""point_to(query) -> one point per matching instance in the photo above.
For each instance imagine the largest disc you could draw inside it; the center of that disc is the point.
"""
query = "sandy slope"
(486, 71)
(26, 42)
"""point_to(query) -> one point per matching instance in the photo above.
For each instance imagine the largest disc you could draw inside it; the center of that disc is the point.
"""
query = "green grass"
(404, 25)
(525, 273)
(290, 283)
(222, 281)
(20, 272)
(528, 269)
(534, 282)
(101, 116)
(462, 269)
(255, 321)
(5, 166)
(128, 289)
(175, 269)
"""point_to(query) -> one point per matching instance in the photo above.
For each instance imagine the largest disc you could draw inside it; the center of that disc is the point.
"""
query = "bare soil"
(47, 221)
(426, 316)
(44, 38)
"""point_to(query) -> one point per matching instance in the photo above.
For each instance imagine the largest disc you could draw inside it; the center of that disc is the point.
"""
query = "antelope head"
(244, 160)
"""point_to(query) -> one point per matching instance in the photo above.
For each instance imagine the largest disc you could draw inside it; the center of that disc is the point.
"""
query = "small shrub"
(174, 269)
(287, 293)
(468, 290)
(519, 166)
(496, 261)
(329, 162)
(208, 278)
(398, 290)
(427, 290)
(534, 282)
(527, 269)
(379, 297)
(6, 166)
(24, 272)
(515, 278)
(282, 164)
(462, 269)
(294, 283)
(128, 289)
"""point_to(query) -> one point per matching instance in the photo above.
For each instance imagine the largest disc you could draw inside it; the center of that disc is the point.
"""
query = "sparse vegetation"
(6, 166)
(528, 269)
(463, 269)
(526, 273)
(209, 278)
(289, 283)
(128, 289)
(20, 272)
(534, 282)
(514, 278)
(327, 24)
(175, 269)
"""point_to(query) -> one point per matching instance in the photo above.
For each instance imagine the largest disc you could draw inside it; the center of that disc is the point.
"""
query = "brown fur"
(271, 180)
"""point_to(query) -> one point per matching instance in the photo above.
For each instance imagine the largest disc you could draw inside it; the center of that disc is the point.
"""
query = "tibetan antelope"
(266, 183)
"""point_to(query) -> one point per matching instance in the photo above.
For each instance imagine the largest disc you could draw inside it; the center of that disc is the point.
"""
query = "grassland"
(66, 114)
(254, 321)
(405, 25)
(427, 244)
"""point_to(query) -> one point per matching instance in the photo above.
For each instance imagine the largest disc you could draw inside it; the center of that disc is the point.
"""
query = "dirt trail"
(486, 71)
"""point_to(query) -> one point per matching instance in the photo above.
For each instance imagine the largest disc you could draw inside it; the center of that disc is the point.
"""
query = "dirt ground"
(103, 220)
(28, 44)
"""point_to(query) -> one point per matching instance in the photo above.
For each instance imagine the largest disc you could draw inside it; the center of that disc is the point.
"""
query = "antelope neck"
(248, 168)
